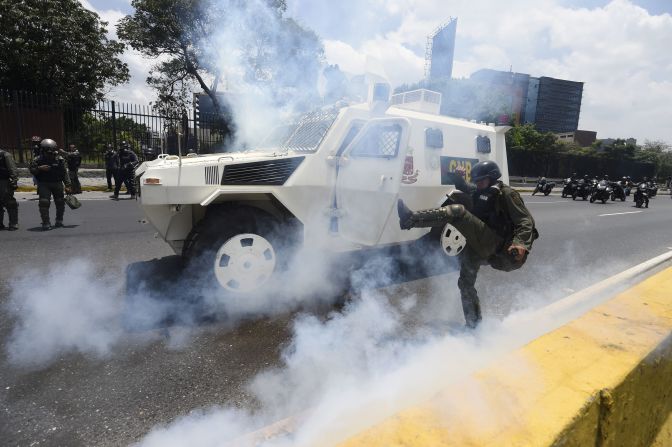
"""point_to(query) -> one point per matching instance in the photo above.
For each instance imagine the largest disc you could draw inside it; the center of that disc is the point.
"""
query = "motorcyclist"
(541, 182)
(642, 193)
(498, 228)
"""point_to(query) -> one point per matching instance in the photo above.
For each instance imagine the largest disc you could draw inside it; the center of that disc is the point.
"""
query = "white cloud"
(619, 50)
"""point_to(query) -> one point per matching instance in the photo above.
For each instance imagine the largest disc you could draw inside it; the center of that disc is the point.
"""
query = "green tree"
(182, 34)
(60, 48)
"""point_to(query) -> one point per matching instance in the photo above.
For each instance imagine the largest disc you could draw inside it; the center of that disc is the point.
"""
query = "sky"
(620, 49)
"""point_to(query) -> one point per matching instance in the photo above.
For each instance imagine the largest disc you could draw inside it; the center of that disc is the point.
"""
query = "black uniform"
(74, 159)
(127, 161)
(9, 178)
(111, 166)
(50, 183)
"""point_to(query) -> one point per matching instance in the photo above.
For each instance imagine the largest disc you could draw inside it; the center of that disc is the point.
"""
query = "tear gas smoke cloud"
(360, 366)
(66, 310)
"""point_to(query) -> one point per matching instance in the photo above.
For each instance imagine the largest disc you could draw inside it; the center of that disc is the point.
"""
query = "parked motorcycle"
(544, 187)
(602, 191)
(583, 190)
(642, 195)
(617, 192)
(570, 186)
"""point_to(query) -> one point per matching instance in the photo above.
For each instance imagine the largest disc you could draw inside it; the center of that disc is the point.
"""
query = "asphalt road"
(115, 400)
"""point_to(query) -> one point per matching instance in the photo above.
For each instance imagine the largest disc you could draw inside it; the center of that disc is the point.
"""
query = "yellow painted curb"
(605, 379)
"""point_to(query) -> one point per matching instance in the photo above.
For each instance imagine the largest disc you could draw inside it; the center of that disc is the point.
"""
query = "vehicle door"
(369, 175)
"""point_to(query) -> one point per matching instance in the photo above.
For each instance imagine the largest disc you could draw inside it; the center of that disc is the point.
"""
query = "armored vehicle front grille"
(212, 175)
(270, 172)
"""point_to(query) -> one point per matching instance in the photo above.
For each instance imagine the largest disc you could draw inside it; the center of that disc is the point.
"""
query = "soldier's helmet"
(485, 169)
(49, 146)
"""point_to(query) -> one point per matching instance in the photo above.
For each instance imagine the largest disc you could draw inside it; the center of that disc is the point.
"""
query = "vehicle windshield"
(303, 134)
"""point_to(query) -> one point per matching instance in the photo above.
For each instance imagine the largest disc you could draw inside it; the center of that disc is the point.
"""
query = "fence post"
(185, 130)
(114, 126)
(196, 145)
(18, 125)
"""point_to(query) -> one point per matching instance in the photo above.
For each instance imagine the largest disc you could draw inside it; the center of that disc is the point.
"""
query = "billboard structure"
(441, 51)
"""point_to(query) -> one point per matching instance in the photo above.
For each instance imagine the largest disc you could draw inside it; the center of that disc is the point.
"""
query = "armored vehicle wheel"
(239, 248)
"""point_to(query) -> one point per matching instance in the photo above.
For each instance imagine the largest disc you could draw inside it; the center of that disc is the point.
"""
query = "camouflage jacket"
(509, 211)
(58, 169)
(8, 167)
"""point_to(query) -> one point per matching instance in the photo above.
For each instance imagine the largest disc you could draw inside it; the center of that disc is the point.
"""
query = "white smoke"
(358, 367)
(67, 309)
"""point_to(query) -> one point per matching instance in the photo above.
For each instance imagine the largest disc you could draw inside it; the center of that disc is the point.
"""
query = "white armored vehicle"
(331, 180)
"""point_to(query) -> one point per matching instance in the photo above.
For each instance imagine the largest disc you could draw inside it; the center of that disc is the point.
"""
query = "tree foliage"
(184, 36)
(60, 48)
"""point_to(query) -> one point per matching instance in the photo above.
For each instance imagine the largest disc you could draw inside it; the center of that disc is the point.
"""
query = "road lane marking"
(618, 214)
(555, 201)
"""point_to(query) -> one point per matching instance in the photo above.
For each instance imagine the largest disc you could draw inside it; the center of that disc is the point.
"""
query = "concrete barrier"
(604, 379)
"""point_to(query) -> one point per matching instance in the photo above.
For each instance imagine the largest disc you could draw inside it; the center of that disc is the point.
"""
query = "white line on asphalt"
(618, 214)
(555, 201)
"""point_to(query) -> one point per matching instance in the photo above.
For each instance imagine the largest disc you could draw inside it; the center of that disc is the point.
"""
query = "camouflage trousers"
(74, 181)
(484, 247)
(8, 202)
(45, 190)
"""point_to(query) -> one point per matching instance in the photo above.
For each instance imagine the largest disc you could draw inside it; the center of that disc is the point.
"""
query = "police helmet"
(485, 169)
(48, 145)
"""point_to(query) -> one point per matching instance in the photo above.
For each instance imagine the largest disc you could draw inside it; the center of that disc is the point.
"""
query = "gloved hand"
(518, 252)
(68, 190)
(13, 185)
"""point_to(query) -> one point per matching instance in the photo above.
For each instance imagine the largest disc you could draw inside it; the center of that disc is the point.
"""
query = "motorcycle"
(617, 192)
(583, 189)
(652, 189)
(544, 187)
(642, 196)
(570, 186)
(601, 192)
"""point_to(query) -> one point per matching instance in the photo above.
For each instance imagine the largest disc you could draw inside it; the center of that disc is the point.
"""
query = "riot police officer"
(74, 159)
(51, 171)
(127, 161)
(498, 228)
(9, 179)
(111, 166)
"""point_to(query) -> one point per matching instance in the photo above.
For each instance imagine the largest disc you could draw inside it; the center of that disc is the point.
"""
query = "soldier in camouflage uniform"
(51, 171)
(497, 225)
(74, 159)
(9, 179)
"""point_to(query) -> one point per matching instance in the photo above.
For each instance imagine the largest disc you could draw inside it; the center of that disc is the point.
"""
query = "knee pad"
(44, 203)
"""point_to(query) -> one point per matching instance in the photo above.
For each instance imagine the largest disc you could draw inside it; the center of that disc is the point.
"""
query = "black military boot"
(46, 226)
(436, 217)
(13, 219)
(58, 224)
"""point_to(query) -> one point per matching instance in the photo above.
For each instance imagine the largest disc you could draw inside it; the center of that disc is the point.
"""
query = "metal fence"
(25, 114)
